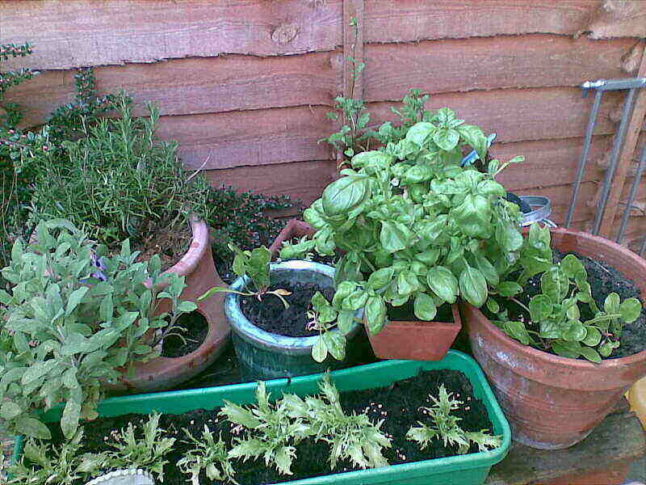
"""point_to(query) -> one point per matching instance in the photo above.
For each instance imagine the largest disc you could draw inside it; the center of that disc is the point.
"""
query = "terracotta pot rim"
(556, 359)
(199, 244)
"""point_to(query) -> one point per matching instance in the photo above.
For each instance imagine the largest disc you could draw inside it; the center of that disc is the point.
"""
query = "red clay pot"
(416, 340)
(197, 266)
(554, 402)
(295, 228)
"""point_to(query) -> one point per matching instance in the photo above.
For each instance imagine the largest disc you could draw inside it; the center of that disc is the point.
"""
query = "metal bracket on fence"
(600, 86)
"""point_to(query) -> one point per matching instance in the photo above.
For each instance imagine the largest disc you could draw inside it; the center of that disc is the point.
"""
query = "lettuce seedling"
(445, 426)
(254, 265)
(268, 431)
(209, 456)
(351, 437)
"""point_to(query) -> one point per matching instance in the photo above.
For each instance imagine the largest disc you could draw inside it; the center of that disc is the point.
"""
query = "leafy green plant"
(255, 266)
(209, 456)
(445, 426)
(351, 437)
(148, 451)
(324, 318)
(564, 316)
(268, 431)
(73, 319)
(132, 182)
(414, 226)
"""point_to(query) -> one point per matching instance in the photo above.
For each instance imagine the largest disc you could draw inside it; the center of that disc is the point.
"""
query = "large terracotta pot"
(416, 340)
(554, 402)
(199, 269)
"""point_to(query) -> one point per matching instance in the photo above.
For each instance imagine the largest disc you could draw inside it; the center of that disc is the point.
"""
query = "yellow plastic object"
(637, 399)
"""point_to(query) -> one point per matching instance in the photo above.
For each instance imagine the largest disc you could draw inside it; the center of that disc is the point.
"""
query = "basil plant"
(413, 225)
(74, 319)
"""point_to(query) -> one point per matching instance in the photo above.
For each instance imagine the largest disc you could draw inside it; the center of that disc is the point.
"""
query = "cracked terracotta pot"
(554, 402)
(295, 228)
(416, 340)
(197, 266)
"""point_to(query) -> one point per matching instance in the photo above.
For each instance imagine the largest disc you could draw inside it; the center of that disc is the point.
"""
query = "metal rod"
(617, 148)
(615, 84)
(633, 194)
(592, 122)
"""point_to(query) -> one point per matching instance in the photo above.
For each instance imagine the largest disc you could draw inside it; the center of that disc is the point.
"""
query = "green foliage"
(445, 426)
(43, 464)
(351, 437)
(240, 218)
(565, 318)
(209, 456)
(71, 320)
(268, 431)
(132, 183)
(255, 265)
(147, 451)
(413, 225)
(324, 318)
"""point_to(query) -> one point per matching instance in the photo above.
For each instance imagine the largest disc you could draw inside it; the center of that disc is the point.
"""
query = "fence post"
(628, 154)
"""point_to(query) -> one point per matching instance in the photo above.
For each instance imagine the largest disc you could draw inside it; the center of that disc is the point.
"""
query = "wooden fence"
(245, 85)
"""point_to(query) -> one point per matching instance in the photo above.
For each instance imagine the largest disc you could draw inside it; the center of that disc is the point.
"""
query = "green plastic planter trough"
(468, 469)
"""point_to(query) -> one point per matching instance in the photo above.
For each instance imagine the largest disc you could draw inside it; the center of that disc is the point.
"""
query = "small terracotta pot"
(554, 402)
(295, 228)
(197, 266)
(416, 340)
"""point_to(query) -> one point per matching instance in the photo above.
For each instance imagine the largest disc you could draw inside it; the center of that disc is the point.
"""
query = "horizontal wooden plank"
(415, 20)
(522, 114)
(197, 85)
(304, 181)
(87, 33)
(549, 162)
(490, 63)
(241, 138)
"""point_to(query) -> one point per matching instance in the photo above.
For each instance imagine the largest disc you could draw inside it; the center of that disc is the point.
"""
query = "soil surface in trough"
(398, 405)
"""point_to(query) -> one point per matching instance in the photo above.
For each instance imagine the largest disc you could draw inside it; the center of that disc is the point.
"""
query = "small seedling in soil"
(267, 431)
(324, 318)
(445, 426)
(255, 265)
(352, 437)
(209, 456)
(148, 452)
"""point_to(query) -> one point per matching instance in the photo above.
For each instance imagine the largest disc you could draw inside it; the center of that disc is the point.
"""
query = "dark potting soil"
(604, 279)
(191, 332)
(406, 313)
(399, 405)
(271, 315)
(170, 243)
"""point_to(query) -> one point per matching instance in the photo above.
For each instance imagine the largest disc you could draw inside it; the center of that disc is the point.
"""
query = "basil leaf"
(442, 281)
(473, 286)
(424, 307)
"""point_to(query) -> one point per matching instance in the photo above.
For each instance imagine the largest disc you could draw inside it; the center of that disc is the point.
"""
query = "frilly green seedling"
(445, 426)
(255, 265)
(209, 456)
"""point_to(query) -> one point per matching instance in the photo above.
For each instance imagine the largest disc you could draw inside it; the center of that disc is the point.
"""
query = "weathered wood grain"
(490, 63)
(415, 20)
(87, 33)
(241, 138)
(197, 85)
(614, 19)
(300, 180)
(521, 114)
(636, 122)
(548, 162)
